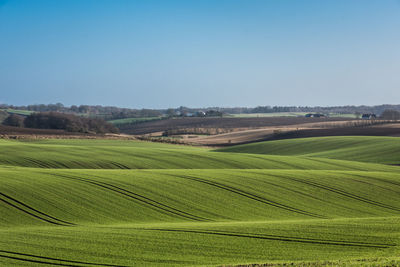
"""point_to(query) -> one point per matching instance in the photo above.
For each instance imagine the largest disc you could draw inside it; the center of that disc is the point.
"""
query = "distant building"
(368, 116)
(314, 115)
(200, 114)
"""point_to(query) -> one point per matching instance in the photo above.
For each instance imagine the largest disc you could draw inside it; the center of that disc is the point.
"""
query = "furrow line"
(35, 210)
(308, 195)
(40, 259)
(342, 192)
(153, 201)
(120, 165)
(378, 179)
(29, 213)
(252, 196)
(154, 204)
(38, 163)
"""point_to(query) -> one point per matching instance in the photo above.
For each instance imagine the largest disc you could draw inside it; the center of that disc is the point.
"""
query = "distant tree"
(83, 108)
(14, 120)
(390, 114)
(170, 112)
(3, 115)
(213, 113)
(68, 122)
(74, 108)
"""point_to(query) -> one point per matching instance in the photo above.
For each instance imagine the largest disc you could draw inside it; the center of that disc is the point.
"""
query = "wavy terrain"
(127, 203)
(355, 148)
(115, 154)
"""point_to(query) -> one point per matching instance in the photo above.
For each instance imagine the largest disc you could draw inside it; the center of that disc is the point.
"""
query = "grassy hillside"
(357, 148)
(64, 203)
(192, 195)
(114, 154)
(180, 217)
(340, 242)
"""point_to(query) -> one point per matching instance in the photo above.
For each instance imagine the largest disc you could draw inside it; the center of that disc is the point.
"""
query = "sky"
(200, 53)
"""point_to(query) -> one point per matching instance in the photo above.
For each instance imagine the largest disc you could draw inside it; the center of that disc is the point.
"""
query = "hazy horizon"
(227, 53)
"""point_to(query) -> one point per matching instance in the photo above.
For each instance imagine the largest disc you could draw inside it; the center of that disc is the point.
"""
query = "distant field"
(222, 137)
(373, 130)
(288, 114)
(133, 120)
(18, 112)
(223, 123)
(31, 132)
(131, 203)
(344, 115)
(275, 114)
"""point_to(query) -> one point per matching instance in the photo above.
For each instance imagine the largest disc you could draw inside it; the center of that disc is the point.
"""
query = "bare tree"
(390, 114)
(14, 120)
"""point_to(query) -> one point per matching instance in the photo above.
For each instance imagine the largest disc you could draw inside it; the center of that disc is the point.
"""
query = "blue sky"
(167, 53)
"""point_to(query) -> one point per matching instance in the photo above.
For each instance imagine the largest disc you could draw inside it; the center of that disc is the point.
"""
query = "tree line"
(60, 121)
(98, 111)
(113, 113)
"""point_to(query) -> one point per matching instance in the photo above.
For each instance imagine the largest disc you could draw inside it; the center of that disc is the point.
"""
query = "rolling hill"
(356, 148)
(129, 203)
(115, 154)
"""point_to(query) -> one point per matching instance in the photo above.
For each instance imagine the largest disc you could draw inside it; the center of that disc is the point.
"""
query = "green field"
(18, 112)
(356, 148)
(129, 203)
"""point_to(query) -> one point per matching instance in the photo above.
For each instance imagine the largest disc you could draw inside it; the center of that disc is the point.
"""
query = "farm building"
(368, 116)
(314, 115)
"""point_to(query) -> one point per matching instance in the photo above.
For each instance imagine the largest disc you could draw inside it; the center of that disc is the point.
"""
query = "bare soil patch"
(8, 132)
(344, 128)
(266, 135)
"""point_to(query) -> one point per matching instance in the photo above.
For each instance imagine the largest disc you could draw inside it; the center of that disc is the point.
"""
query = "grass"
(18, 112)
(114, 154)
(356, 148)
(69, 203)
(190, 245)
(195, 195)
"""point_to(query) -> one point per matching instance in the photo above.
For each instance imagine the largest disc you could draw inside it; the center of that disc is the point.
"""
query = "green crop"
(128, 203)
(357, 148)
